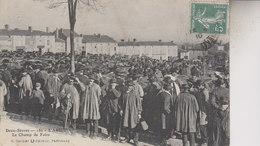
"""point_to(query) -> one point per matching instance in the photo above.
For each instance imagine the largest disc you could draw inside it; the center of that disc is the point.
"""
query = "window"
(48, 42)
(114, 48)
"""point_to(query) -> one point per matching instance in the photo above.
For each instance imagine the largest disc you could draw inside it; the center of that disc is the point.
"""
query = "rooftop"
(66, 32)
(59, 40)
(19, 32)
(97, 38)
(146, 43)
(181, 50)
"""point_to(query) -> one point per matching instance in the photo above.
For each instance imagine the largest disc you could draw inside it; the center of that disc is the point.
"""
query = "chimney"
(160, 40)
(57, 33)
(7, 27)
(134, 40)
(47, 29)
(30, 28)
(122, 40)
(99, 36)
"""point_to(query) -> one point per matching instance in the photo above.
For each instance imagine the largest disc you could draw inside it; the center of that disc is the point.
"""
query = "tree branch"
(56, 4)
(92, 4)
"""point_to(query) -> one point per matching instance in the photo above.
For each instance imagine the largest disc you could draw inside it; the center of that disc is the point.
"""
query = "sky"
(166, 20)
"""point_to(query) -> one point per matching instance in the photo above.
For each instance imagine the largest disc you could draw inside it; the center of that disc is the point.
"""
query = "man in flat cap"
(112, 109)
(53, 88)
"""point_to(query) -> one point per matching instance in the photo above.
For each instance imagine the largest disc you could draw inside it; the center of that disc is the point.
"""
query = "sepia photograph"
(115, 72)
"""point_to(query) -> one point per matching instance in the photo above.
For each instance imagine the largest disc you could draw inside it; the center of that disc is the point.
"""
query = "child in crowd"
(37, 101)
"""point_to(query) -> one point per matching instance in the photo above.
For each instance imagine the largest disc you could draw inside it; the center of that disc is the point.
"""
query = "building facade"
(59, 46)
(64, 34)
(99, 44)
(154, 49)
(6, 43)
(28, 40)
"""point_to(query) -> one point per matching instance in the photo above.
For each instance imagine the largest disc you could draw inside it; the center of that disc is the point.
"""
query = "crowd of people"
(125, 94)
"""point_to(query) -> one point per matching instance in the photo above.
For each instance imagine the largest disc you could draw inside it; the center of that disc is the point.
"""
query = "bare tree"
(73, 5)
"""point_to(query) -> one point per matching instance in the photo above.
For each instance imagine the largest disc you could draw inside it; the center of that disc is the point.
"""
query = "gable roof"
(181, 50)
(146, 43)
(196, 47)
(59, 40)
(97, 39)
(66, 32)
(5, 38)
(19, 32)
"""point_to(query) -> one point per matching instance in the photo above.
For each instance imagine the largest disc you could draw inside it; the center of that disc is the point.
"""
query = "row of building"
(59, 41)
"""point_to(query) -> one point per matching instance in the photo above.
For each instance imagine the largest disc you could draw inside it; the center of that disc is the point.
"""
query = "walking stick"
(120, 125)
(67, 111)
(66, 120)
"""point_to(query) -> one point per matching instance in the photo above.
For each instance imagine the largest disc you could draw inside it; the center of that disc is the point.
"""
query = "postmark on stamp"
(209, 18)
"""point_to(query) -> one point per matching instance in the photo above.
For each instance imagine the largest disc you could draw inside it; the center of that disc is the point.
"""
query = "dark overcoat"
(131, 107)
(186, 112)
(166, 110)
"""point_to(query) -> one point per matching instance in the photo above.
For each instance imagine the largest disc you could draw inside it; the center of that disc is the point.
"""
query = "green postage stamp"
(209, 18)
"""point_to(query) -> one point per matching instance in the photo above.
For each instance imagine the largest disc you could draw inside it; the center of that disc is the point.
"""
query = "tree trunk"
(72, 5)
(72, 50)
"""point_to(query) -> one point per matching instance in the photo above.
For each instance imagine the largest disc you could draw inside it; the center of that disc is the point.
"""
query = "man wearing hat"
(3, 92)
(139, 88)
(203, 102)
(166, 110)
(70, 102)
(25, 91)
(132, 109)
(158, 74)
(53, 88)
(219, 79)
(91, 101)
(112, 109)
(149, 103)
(186, 115)
(42, 76)
(220, 125)
(7, 79)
